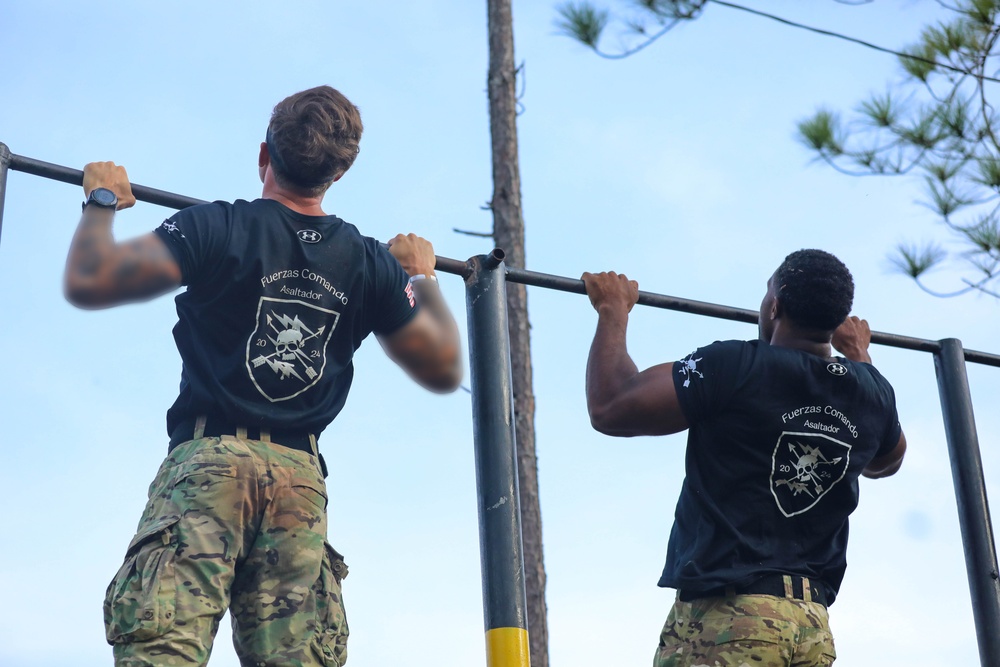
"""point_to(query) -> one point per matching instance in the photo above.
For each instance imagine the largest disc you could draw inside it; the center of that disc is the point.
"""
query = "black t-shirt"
(276, 304)
(778, 438)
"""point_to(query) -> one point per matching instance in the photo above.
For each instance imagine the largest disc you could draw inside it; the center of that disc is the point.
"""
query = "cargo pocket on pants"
(330, 613)
(752, 640)
(140, 601)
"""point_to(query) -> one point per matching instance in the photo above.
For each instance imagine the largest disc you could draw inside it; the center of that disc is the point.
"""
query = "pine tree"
(508, 234)
(938, 124)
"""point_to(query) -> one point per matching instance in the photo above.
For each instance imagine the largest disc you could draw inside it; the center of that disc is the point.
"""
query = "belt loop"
(806, 590)
(321, 464)
(199, 426)
(241, 432)
(265, 434)
(789, 591)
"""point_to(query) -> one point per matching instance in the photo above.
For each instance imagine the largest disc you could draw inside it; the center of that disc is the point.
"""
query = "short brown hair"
(313, 138)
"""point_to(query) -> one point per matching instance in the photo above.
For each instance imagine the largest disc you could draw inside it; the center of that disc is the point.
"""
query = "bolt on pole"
(970, 492)
(501, 554)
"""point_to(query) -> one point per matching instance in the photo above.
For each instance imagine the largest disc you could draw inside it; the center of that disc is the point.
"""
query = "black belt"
(772, 584)
(215, 427)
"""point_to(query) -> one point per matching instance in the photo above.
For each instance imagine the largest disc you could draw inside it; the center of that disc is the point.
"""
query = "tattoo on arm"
(90, 244)
(101, 272)
(88, 264)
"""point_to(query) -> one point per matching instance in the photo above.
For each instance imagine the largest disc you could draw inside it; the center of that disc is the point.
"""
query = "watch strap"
(110, 199)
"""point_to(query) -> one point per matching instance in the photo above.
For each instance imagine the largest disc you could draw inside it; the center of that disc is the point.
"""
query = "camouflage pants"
(237, 524)
(746, 631)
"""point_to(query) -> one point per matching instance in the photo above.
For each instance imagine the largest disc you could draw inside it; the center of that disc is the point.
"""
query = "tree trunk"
(508, 234)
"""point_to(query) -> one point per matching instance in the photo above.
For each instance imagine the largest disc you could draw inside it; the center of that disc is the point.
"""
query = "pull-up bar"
(496, 459)
(460, 268)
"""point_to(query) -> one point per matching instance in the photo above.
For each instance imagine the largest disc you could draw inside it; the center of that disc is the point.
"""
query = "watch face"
(103, 197)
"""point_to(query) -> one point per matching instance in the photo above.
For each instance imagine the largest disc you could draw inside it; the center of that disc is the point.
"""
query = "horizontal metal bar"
(984, 358)
(163, 198)
(75, 177)
(515, 275)
(453, 266)
(576, 286)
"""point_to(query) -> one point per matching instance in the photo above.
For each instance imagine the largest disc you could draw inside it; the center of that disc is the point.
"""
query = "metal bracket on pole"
(500, 549)
(970, 492)
(4, 165)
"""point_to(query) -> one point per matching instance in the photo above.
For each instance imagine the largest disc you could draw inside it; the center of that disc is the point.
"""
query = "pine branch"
(942, 295)
(829, 33)
(485, 235)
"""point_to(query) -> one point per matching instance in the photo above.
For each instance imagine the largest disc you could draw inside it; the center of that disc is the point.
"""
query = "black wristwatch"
(102, 197)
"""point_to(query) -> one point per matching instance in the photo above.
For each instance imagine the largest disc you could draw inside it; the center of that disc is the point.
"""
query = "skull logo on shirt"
(804, 467)
(286, 352)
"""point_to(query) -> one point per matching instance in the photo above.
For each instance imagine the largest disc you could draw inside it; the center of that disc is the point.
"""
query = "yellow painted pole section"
(507, 647)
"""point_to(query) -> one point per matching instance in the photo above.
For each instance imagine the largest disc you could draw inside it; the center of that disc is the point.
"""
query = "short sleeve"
(393, 303)
(893, 430)
(706, 379)
(197, 238)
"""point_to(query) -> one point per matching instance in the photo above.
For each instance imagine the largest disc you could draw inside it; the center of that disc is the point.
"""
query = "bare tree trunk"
(508, 234)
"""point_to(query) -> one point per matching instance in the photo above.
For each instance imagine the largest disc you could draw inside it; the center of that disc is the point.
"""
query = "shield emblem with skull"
(804, 467)
(286, 353)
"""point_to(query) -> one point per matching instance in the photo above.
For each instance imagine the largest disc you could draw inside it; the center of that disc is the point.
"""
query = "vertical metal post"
(970, 492)
(4, 164)
(500, 548)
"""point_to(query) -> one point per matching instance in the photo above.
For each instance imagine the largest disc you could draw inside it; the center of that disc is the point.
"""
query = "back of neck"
(294, 201)
(813, 342)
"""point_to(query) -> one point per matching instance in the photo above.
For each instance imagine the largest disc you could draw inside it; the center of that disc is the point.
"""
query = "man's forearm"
(609, 365)
(92, 244)
(430, 298)
(446, 355)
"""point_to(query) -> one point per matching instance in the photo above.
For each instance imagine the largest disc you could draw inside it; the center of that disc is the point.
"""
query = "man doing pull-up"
(779, 431)
(279, 296)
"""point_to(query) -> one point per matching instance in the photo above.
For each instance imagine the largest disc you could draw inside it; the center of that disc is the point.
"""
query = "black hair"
(816, 290)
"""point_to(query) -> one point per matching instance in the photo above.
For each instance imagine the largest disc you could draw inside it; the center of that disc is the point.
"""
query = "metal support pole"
(501, 555)
(4, 164)
(970, 492)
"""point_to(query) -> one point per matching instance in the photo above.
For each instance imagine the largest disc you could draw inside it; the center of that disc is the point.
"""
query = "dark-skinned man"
(279, 296)
(780, 431)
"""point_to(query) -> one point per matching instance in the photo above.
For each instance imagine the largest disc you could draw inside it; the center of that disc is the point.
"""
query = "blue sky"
(678, 167)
